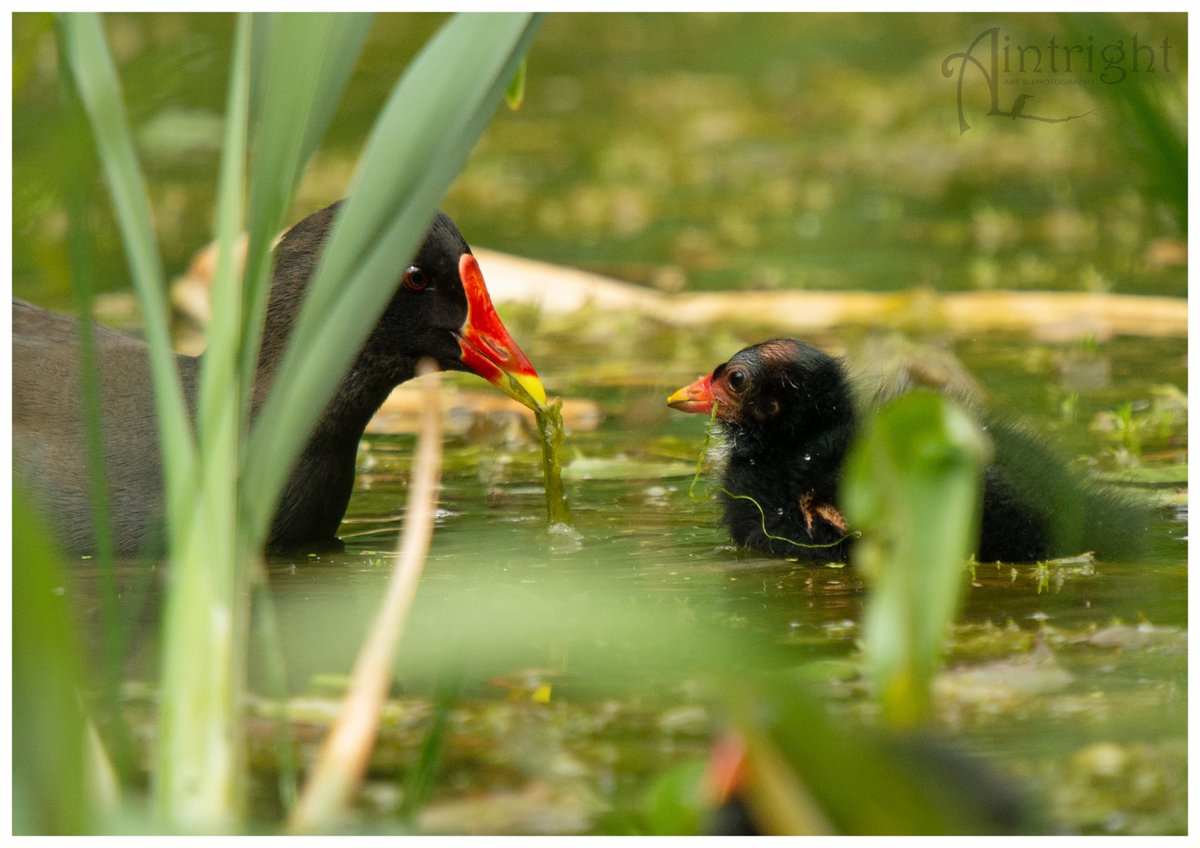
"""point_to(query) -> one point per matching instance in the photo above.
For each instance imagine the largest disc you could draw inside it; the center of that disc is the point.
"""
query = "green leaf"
(197, 780)
(47, 756)
(95, 76)
(912, 486)
(302, 63)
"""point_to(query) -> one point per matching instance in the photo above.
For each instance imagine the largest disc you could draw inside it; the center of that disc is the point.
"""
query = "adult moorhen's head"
(772, 392)
(440, 309)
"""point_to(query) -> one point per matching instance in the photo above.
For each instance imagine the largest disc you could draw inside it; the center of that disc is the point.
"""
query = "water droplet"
(753, 461)
(779, 510)
(808, 457)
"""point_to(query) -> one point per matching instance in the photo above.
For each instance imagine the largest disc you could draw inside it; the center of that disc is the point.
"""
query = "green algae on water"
(550, 425)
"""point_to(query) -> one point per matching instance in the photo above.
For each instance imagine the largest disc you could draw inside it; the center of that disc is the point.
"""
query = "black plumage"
(439, 310)
(788, 414)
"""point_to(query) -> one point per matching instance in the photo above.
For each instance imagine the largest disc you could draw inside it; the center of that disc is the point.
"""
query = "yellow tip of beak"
(526, 389)
(678, 396)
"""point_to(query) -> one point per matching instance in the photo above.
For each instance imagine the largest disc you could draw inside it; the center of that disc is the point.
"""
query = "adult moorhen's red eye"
(737, 380)
(415, 279)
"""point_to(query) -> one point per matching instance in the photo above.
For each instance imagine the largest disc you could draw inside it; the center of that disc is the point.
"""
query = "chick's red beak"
(488, 349)
(697, 397)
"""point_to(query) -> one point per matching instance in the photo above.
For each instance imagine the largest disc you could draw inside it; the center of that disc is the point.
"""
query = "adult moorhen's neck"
(319, 488)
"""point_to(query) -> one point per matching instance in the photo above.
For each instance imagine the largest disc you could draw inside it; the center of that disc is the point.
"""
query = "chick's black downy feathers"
(788, 413)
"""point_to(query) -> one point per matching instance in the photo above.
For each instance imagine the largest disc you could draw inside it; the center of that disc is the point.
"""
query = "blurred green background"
(698, 151)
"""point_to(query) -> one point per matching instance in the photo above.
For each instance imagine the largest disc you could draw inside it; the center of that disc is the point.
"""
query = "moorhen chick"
(788, 414)
(440, 310)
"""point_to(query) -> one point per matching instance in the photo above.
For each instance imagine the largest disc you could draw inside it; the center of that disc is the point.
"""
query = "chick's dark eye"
(415, 279)
(737, 380)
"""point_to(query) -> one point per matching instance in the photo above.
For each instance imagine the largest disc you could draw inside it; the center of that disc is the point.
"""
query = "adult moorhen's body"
(440, 310)
(788, 414)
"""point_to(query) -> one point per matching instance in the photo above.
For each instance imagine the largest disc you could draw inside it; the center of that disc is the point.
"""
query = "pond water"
(1048, 670)
(586, 665)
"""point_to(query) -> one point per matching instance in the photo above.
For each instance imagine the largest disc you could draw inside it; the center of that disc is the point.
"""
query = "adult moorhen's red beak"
(488, 349)
(697, 397)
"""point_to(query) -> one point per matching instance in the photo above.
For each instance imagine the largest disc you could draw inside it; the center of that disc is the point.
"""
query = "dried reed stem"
(343, 758)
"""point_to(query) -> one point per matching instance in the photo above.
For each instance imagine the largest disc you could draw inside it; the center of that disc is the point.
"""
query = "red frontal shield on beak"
(697, 397)
(488, 349)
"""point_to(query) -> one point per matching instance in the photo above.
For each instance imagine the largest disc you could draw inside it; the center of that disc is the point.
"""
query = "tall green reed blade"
(199, 763)
(419, 143)
(913, 488)
(48, 770)
(196, 782)
(302, 63)
(75, 193)
(95, 78)
(222, 390)
(218, 368)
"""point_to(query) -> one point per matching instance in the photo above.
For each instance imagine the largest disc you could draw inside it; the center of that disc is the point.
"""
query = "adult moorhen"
(788, 414)
(441, 310)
